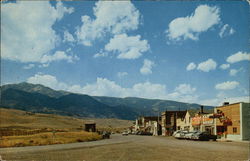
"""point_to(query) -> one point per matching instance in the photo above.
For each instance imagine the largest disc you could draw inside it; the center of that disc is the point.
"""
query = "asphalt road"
(132, 148)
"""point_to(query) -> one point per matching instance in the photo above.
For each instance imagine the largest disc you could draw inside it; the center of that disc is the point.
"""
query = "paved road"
(132, 148)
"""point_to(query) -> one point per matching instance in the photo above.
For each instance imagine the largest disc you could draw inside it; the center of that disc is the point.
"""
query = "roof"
(232, 104)
(192, 113)
(178, 113)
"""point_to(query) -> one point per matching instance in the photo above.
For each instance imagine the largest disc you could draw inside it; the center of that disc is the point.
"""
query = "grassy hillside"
(17, 119)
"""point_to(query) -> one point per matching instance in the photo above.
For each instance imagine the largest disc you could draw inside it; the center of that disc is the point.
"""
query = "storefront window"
(235, 130)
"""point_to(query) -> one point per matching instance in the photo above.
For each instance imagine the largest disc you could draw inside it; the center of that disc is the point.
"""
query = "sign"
(196, 120)
(207, 120)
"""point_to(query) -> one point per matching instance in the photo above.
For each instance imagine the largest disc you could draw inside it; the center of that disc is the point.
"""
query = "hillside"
(38, 98)
(18, 119)
(72, 104)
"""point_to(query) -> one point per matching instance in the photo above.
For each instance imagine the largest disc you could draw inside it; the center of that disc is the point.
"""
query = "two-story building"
(169, 121)
(185, 123)
(232, 121)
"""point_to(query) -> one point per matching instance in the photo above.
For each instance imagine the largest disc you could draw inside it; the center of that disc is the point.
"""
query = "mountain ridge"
(39, 98)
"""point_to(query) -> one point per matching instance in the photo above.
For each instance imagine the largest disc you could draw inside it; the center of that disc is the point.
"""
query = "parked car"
(144, 133)
(180, 134)
(106, 135)
(189, 134)
(176, 132)
(124, 133)
(204, 136)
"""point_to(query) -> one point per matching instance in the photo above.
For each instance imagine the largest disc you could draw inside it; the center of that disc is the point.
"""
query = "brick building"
(232, 121)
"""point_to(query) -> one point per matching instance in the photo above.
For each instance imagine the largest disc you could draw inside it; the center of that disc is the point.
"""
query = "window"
(235, 130)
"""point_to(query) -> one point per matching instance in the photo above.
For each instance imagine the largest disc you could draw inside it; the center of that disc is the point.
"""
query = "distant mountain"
(149, 106)
(70, 104)
(38, 98)
(35, 88)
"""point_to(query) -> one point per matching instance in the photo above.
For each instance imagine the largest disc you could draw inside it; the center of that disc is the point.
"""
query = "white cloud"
(224, 66)
(127, 47)
(220, 100)
(239, 56)
(29, 66)
(101, 54)
(122, 74)
(105, 87)
(58, 55)
(26, 29)
(229, 85)
(68, 37)
(184, 92)
(191, 26)
(226, 30)
(47, 80)
(147, 67)
(191, 66)
(233, 72)
(208, 65)
(185, 89)
(113, 17)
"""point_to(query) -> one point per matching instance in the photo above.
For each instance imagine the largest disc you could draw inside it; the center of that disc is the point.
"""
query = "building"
(149, 124)
(169, 121)
(232, 121)
(90, 126)
(185, 123)
(203, 121)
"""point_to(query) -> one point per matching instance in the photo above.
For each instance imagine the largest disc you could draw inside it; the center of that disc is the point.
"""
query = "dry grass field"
(21, 128)
(48, 138)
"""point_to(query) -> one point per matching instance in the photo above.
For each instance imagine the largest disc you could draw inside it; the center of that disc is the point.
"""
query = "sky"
(194, 52)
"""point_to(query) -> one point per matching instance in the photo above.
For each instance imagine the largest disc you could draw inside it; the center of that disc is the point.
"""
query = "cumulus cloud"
(103, 87)
(113, 17)
(127, 47)
(29, 66)
(26, 29)
(233, 72)
(226, 30)
(68, 37)
(191, 66)
(57, 56)
(100, 54)
(147, 67)
(224, 66)
(218, 101)
(227, 85)
(208, 65)
(47, 80)
(189, 27)
(122, 74)
(239, 56)
(184, 92)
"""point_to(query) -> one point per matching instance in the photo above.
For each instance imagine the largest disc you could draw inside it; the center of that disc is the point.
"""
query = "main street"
(132, 148)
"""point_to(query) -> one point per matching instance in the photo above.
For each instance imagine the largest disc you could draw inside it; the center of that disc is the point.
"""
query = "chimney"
(202, 109)
(225, 103)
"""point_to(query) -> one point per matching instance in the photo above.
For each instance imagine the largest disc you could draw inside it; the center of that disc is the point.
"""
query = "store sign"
(196, 120)
(207, 120)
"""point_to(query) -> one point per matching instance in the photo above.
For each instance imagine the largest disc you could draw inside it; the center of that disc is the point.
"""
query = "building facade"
(232, 121)
(149, 124)
(185, 123)
(169, 121)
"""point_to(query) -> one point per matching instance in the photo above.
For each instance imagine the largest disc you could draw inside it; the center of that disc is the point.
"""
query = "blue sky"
(196, 52)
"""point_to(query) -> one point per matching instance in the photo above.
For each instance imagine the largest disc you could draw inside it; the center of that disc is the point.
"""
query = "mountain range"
(38, 98)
